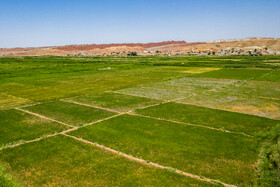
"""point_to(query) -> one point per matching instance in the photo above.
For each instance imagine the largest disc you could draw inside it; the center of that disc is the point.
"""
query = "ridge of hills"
(182, 47)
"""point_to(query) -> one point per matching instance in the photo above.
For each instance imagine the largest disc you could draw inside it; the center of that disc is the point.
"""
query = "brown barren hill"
(142, 48)
(86, 49)
(270, 43)
(104, 46)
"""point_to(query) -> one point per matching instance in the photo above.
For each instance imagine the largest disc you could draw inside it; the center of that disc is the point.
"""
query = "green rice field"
(139, 121)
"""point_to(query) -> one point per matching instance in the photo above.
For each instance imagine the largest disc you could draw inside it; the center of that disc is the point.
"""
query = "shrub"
(6, 180)
(132, 54)
(268, 166)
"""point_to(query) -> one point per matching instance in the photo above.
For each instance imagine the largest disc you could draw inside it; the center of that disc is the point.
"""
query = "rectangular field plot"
(273, 76)
(18, 126)
(240, 74)
(63, 161)
(115, 101)
(242, 103)
(210, 153)
(254, 89)
(8, 101)
(177, 88)
(69, 113)
(231, 121)
(251, 97)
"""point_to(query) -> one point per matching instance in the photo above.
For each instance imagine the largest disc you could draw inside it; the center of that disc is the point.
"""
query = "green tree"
(134, 53)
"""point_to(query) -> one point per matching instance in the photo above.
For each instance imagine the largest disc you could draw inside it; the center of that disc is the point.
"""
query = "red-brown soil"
(122, 48)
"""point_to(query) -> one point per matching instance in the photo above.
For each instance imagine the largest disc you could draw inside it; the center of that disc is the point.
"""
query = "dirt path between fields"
(190, 124)
(114, 151)
(55, 134)
(137, 95)
(43, 117)
(146, 162)
(109, 149)
(88, 105)
(37, 139)
(161, 119)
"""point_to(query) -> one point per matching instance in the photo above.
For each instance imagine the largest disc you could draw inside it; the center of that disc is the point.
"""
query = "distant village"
(239, 47)
(257, 51)
(223, 52)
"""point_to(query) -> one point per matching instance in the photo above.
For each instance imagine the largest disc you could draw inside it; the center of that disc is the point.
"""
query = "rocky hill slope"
(147, 48)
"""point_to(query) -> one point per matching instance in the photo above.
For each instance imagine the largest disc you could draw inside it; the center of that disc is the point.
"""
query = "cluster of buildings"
(223, 52)
(233, 51)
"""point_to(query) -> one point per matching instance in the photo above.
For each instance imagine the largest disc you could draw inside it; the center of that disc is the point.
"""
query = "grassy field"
(139, 121)
(79, 164)
(197, 150)
(69, 113)
(115, 101)
(19, 126)
(244, 74)
(230, 121)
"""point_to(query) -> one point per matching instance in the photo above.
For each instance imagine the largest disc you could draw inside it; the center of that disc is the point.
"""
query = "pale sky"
(27, 23)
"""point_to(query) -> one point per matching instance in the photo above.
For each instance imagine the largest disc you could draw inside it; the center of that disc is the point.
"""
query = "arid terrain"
(264, 46)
